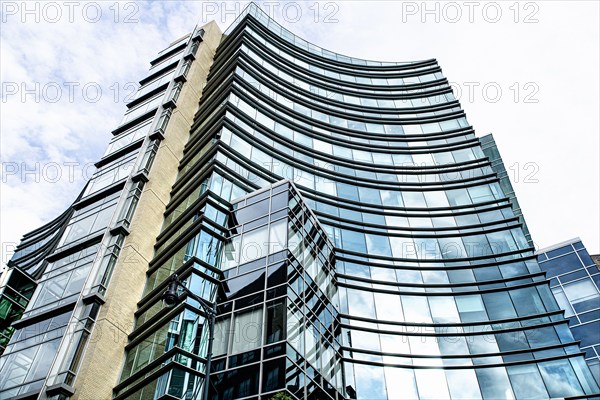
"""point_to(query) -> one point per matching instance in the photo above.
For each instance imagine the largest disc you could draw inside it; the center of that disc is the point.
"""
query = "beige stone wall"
(103, 358)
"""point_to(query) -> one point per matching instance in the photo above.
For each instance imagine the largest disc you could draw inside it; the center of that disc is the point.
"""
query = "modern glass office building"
(339, 212)
(575, 282)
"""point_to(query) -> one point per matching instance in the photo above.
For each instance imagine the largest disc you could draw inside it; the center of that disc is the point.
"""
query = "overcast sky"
(527, 72)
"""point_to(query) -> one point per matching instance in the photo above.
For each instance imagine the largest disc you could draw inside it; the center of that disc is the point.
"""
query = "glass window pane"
(527, 301)
(360, 303)
(221, 335)
(370, 379)
(401, 383)
(494, 383)
(388, 307)
(275, 322)
(443, 309)
(378, 245)
(499, 305)
(254, 245)
(432, 384)
(247, 331)
(463, 384)
(278, 236)
(560, 378)
(527, 382)
(416, 309)
(471, 308)
(581, 290)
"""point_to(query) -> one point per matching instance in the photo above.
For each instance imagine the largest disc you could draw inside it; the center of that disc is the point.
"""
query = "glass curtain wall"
(434, 290)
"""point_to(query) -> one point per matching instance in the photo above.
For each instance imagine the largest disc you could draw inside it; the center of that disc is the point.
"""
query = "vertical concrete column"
(103, 358)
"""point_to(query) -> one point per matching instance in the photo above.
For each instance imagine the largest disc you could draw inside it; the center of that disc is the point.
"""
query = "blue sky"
(527, 73)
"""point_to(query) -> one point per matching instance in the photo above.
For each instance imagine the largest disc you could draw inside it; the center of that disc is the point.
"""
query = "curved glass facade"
(437, 291)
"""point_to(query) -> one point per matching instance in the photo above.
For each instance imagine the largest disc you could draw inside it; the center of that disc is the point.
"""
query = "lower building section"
(575, 282)
(277, 325)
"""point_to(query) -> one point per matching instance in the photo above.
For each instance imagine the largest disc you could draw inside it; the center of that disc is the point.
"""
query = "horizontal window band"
(444, 294)
(233, 84)
(163, 71)
(207, 126)
(327, 63)
(53, 312)
(220, 120)
(229, 86)
(149, 95)
(169, 54)
(162, 317)
(53, 274)
(30, 395)
(204, 162)
(340, 251)
(202, 220)
(408, 211)
(593, 396)
(455, 367)
(183, 271)
(313, 194)
(227, 63)
(275, 83)
(228, 80)
(360, 118)
(186, 187)
(455, 324)
(102, 193)
(138, 335)
(153, 376)
(284, 45)
(322, 171)
(459, 356)
(189, 233)
(153, 364)
(354, 145)
(135, 121)
(409, 169)
(47, 335)
(451, 334)
(210, 132)
(242, 59)
(340, 257)
(75, 247)
(440, 285)
(205, 168)
(123, 151)
(421, 235)
(168, 316)
(208, 104)
(354, 181)
(344, 221)
(207, 197)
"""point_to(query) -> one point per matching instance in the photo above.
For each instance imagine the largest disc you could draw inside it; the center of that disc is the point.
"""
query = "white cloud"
(559, 54)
